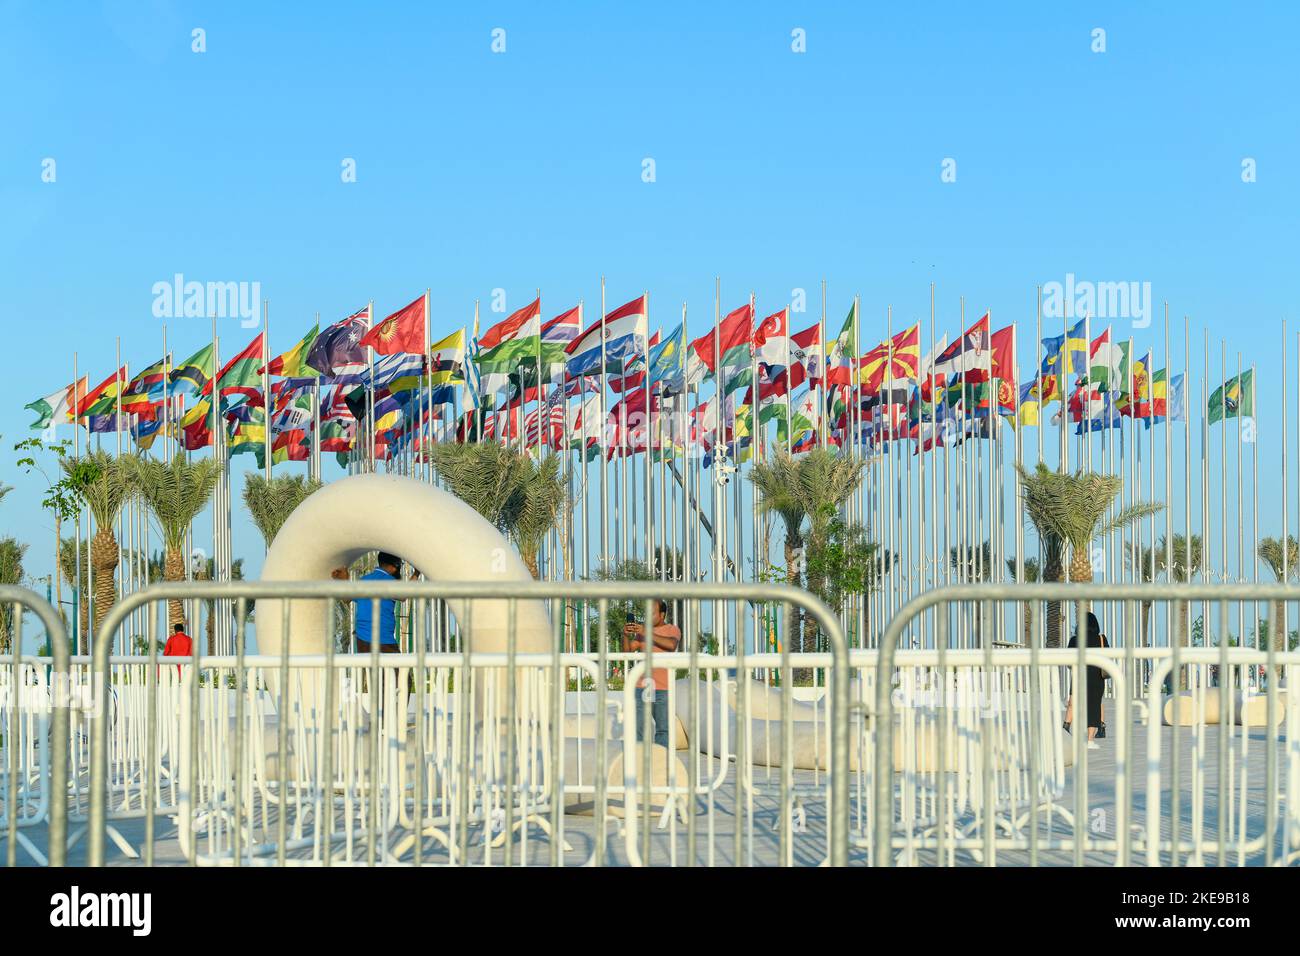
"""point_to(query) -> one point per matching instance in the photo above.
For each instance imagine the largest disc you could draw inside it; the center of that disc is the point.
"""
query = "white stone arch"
(436, 532)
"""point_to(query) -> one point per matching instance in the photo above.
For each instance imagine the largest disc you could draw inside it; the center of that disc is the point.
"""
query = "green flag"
(1234, 397)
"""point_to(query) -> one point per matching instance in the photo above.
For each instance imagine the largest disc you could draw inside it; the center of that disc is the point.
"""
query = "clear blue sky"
(478, 171)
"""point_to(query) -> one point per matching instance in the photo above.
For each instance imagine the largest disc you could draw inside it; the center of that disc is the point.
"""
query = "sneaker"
(1093, 745)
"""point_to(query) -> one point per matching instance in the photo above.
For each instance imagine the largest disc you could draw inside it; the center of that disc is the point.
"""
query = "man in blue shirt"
(390, 569)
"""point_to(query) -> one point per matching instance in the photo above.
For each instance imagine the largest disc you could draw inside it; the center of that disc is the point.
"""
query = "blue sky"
(523, 169)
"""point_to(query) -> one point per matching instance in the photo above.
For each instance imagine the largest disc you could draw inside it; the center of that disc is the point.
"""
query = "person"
(1095, 685)
(667, 638)
(363, 632)
(179, 644)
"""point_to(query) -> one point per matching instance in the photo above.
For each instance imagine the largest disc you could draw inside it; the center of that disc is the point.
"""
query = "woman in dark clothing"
(1096, 681)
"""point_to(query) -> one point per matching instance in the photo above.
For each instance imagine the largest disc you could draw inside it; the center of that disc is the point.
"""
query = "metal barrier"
(34, 714)
(342, 754)
(1000, 745)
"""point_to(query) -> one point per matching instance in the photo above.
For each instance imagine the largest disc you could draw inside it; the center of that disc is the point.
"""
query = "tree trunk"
(1052, 627)
(530, 561)
(1080, 572)
(104, 558)
(174, 570)
(793, 633)
(1278, 634)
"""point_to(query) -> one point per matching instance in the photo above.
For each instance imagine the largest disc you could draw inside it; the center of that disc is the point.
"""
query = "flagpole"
(268, 406)
(604, 556)
(316, 420)
(645, 432)
(370, 433)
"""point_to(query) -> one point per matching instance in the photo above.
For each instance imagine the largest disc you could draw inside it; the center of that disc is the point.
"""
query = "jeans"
(658, 713)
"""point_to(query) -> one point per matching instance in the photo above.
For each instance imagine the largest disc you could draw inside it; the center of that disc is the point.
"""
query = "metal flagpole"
(604, 476)
(645, 432)
(266, 385)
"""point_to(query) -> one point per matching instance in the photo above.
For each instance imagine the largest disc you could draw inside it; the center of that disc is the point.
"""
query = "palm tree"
(270, 502)
(1270, 551)
(1068, 510)
(176, 492)
(104, 484)
(11, 572)
(776, 481)
(521, 496)
(74, 557)
(810, 489)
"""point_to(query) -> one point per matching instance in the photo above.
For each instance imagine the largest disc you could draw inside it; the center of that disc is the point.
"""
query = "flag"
(970, 352)
(403, 331)
(293, 363)
(772, 338)
(1069, 351)
(734, 335)
(806, 357)
(510, 327)
(447, 360)
(1168, 398)
(56, 408)
(397, 372)
(102, 398)
(624, 334)
(513, 342)
(839, 361)
(666, 365)
(1031, 401)
(145, 386)
(193, 375)
(1137, 403)
(1108, 366)
(242, 375)
(898, 360)
(1234, 398)
(337, 352)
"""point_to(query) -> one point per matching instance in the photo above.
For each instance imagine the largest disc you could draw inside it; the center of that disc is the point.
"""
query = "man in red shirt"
(667, 638)
(179, 645)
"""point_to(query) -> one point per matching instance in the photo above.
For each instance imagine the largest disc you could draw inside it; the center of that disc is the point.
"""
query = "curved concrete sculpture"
(435, 531)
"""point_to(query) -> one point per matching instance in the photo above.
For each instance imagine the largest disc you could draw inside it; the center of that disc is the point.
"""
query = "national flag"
(403, 331)
(666, 363)
(513, 342)
(1068, 352)
(1137, 402)
(1108, 366)
(1234, 398)
(1168, 397)
(192, 376)
(624, 333)
(897, 360)
(556, 336)
(970, 352)
(806, 357)
(56, 408)
(772, 338)
(138, 397)
(241, 375)
(397, 372)
(447, 360)
(733, 335)
(293, 363)
(337, 352)
(510, 327)
(103, 397)
(839, 362)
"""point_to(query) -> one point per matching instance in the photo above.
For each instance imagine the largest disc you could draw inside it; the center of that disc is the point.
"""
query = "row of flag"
(517, 377)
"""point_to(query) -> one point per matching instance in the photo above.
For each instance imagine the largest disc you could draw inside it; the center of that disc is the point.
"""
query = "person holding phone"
(667, 638)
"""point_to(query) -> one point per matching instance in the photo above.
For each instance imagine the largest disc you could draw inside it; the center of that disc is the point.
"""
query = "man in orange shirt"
(667, 638)
(179, 645)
